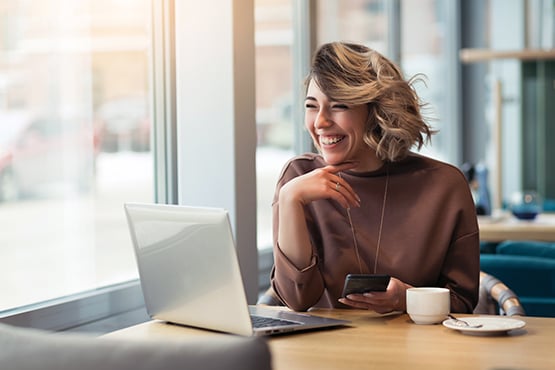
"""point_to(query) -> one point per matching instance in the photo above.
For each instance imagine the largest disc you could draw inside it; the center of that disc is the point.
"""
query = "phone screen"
(363, 283)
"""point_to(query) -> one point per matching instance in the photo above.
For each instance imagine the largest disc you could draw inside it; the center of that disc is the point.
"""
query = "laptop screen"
(188, 266)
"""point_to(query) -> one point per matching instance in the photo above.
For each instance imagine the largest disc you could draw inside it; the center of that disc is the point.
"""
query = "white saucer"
(490, 325)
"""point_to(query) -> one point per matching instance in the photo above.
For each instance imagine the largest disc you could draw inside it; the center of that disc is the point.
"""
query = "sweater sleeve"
(460, 270)
(298, 289)
(461, 273)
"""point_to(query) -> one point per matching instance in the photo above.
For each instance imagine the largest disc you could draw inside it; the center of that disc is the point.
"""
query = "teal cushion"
(539, 306)
(531, 278)
(549, 205)
(527, 248)
(488, 247)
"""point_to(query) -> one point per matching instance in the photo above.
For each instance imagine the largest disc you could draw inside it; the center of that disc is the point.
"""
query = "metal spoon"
(463, 323)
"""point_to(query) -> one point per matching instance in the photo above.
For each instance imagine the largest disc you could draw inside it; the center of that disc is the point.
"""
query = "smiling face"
(338, 129)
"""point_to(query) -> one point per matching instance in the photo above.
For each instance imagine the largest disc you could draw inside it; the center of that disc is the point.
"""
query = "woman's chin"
(329, 159)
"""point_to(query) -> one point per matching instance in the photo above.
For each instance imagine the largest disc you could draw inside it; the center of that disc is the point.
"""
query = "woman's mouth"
(330, 140)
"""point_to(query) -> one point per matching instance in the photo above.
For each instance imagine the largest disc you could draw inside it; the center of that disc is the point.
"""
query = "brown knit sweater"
(429, 233)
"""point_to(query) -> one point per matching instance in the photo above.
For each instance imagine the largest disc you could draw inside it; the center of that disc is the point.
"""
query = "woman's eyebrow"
(310, 98)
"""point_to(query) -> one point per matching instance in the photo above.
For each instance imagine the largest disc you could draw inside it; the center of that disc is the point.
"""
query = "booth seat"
(527, 248)
(527, 268)
(32, 349)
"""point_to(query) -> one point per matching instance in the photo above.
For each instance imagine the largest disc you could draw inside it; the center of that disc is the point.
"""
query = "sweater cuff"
(284, 264)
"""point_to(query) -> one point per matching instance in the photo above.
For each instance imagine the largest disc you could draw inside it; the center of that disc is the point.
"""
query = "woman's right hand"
(393, 299)
(321, 183)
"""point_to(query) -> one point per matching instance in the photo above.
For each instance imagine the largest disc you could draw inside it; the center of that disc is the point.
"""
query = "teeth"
(328, 140)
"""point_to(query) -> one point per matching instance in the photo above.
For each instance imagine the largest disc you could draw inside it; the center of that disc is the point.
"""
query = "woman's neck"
(372, 164)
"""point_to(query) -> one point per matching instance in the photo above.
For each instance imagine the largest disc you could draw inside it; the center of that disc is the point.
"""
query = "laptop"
(190, 274)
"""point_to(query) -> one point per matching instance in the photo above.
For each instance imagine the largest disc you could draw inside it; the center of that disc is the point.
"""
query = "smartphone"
(363, 283)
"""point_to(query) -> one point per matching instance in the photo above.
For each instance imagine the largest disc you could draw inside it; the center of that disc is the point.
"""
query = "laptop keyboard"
(265, 322)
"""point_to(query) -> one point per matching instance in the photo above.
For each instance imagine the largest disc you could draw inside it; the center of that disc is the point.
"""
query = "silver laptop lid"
(188, 266)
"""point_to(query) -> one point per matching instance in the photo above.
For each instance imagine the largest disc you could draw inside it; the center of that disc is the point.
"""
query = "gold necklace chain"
(355, 243)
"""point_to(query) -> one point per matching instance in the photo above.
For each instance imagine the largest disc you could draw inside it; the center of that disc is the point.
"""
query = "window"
(363, 22)
(429, 46)
(274, 104)
(507, 96)
(74, 143)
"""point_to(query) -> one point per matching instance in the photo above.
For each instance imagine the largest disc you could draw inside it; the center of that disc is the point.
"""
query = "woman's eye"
(340, 106)
(309, 106)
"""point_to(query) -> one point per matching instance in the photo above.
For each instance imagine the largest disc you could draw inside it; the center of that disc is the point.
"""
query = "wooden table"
(507, 227)
(390, 342)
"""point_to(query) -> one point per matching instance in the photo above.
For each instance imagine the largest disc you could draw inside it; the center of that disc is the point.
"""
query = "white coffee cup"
(428, 305)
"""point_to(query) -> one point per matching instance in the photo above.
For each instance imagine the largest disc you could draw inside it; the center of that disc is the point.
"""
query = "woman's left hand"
(393, 299)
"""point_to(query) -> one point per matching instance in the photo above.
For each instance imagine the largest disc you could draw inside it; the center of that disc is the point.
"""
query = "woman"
(366, 203)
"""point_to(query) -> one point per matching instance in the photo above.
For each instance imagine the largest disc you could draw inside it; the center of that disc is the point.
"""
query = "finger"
(377, 300)
(372, 299)
(377, 296)
(365, 306)
(357, 298)
(344, 189)
(352, 303)
(342, 196)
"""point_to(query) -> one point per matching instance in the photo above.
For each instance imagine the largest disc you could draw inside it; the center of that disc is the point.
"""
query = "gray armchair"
(31, 349)
(497, 298)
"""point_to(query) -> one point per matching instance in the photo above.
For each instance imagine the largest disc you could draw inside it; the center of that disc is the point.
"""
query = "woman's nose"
(322, 119)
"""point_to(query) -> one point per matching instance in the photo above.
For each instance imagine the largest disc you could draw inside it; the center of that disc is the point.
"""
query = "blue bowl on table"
(526, 205)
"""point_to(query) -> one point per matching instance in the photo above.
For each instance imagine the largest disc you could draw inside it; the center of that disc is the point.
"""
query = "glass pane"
(274, 39)
(361, 21)
(74, 143)
(424, 31)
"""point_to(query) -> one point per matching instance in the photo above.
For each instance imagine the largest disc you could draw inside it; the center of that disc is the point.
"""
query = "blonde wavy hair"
(355, 74)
